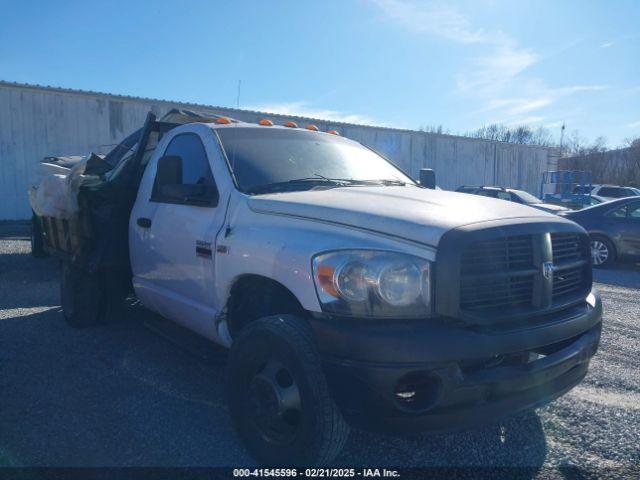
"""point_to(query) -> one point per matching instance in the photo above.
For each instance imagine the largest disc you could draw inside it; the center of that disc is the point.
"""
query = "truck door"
(630, 230)
(178, 213)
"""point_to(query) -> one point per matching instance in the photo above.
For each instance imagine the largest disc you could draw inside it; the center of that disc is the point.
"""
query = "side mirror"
(428, 178)
(169, 170)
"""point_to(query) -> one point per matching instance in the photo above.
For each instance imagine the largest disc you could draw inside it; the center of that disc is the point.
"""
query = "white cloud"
(434, 19)
(538, 96)
(486, 76)
(606, 45)
(634, 124)
(304, 109)
(497, 77)
(580, 88)
(491, 73)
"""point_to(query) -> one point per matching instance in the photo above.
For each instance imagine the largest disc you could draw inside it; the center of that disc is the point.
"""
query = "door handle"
(144, 222)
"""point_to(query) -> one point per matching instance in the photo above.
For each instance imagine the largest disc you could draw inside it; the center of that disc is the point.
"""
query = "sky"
(396, 63)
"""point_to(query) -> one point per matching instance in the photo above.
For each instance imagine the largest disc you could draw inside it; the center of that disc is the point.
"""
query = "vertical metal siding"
(38, 121)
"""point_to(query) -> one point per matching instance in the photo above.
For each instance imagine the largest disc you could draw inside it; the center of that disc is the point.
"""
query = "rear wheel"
(603, 252)
(83, 295)
(37, 242)
(278, 395)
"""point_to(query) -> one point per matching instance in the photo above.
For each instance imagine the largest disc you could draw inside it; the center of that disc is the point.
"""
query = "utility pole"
(238, 97)
(561, 136)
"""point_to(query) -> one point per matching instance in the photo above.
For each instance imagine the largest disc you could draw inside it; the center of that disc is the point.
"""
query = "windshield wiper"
(317, 180)
(382, 181)
(393, 182)
(298, 184)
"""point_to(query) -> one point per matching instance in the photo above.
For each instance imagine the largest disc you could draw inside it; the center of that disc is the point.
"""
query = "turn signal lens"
(266, 123)
(325, 278)
(313, 127)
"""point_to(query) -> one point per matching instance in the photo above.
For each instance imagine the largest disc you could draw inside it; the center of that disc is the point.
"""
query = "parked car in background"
(513, 195)
(614, 228)
(596, 200)
(609, 192)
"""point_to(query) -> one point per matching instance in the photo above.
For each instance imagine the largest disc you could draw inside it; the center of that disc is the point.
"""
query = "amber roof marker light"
(291, 125)
(266, 122)
(334, 132)
(313, 128)
(223, 121)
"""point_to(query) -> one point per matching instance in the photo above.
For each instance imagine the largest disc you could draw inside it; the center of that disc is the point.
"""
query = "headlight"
(372, 283)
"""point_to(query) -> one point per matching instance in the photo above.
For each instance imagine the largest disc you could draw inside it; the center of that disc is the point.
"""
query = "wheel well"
(596, 235)
(254, 296)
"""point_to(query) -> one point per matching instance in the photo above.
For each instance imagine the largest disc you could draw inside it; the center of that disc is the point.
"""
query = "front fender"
(281, 248)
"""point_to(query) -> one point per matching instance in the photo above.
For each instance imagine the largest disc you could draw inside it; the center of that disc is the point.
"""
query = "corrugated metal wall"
(41, 121)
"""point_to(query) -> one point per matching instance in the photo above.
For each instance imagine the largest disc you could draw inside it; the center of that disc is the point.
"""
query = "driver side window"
(618, 213)
(514, 198)
(195, 165)
(183, 174)
(633, 210)
(487, 193)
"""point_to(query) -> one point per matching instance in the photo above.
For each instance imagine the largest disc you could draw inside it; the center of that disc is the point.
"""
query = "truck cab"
(349, 294)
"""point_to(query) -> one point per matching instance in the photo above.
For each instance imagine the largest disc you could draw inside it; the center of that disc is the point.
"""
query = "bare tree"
(578, 146)
(523, 134)
(435, 129)
(634, 155)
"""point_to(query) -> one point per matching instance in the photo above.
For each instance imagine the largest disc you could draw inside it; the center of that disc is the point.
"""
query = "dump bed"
(82, 205)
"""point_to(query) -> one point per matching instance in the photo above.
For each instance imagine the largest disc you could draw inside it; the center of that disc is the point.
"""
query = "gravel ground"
(120, 395)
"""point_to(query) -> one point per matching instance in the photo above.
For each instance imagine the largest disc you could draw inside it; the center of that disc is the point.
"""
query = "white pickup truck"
(347, 293)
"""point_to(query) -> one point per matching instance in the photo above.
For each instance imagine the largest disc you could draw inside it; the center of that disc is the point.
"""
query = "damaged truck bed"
(82, 204)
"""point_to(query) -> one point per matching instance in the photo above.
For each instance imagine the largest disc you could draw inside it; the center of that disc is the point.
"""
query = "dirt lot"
(121, 395)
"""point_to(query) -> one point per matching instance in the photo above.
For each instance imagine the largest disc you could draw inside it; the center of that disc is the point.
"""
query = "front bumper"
(461, 376)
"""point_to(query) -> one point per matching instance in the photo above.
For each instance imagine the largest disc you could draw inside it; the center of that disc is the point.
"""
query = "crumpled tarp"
(61, 178)
(49, 198)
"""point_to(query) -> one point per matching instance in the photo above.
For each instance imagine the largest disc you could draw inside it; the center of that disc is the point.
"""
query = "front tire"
(83, 295)
(603, 253)
(278, 395)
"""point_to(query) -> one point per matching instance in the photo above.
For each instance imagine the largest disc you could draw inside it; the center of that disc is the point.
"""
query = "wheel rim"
(274, 404)
(599, 252)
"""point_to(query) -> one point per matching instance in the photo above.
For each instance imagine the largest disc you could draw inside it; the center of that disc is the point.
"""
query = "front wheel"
(602, 251)
(278, 395)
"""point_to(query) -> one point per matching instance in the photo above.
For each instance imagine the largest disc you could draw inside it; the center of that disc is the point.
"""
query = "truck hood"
(412, 213)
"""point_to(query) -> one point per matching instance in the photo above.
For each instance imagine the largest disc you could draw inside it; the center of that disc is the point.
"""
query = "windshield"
(526, 197)
(262, 157)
